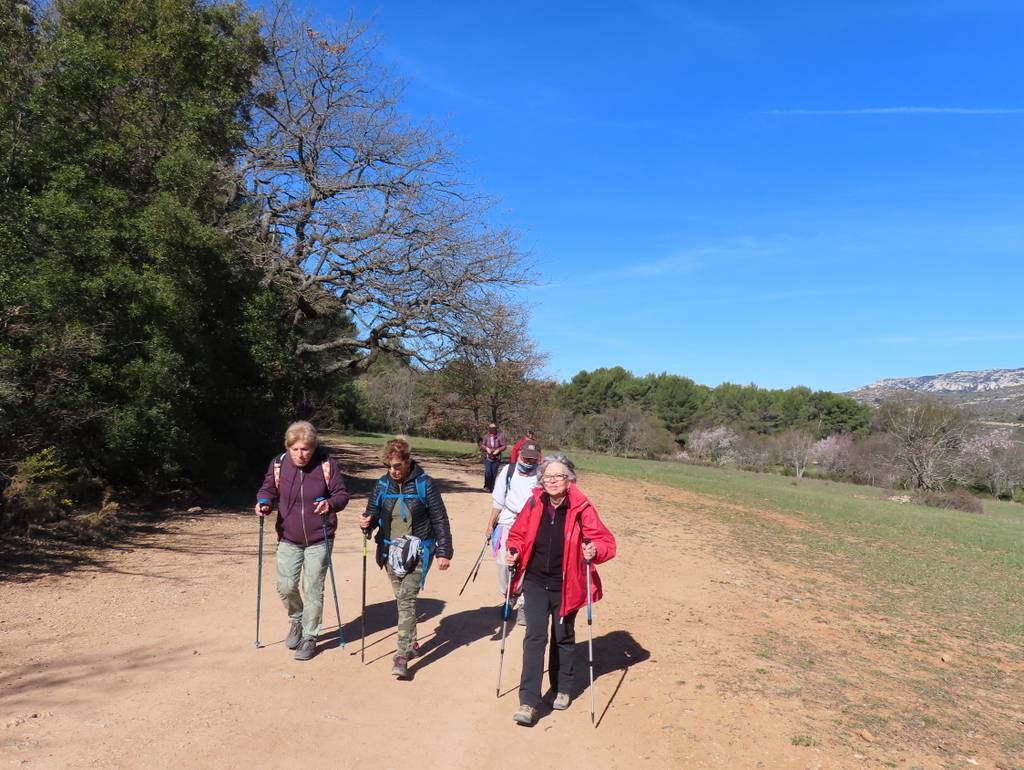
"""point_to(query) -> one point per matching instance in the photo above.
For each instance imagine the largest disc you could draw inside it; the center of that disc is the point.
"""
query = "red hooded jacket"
(581, 522)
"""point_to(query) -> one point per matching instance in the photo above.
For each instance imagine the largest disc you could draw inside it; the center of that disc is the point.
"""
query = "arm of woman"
(597, 533)
(337, 492)
(371, 516)
(267, 494)
(443, 549)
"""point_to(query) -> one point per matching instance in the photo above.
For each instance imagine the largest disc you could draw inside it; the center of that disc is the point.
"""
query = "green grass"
(432, 447)
(964, 570)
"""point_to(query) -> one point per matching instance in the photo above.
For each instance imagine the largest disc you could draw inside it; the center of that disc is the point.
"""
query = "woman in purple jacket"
(309, 491)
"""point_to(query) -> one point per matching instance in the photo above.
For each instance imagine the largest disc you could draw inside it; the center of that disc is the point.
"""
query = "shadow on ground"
(47, 684)
(614, 653)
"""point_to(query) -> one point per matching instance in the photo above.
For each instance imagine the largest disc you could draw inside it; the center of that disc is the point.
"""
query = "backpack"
(381, 493)
(409, 549)
(325, 466)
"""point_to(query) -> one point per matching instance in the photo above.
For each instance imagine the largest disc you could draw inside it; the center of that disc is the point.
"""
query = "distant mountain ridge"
(993, 392)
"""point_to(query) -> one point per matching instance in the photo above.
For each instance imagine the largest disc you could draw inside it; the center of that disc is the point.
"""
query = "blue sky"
(773, 192)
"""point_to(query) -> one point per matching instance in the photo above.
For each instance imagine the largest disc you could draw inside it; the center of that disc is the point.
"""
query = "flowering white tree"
(832, 453)
(713, 445)
(984, 460)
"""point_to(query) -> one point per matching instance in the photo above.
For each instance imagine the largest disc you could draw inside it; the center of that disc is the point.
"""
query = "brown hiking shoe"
(526, 715)
(400, 668)
(294, 635)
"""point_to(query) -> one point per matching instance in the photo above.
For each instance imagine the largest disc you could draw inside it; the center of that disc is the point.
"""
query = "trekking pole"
(504, 623)
(476, 564)
(264, 509)
(334, 587)
(590, 639)
(362, 614)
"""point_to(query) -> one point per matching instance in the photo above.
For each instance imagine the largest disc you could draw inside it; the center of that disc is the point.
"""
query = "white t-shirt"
(519, 491)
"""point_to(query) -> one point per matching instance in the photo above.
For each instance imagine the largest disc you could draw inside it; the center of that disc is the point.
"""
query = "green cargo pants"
(307, 608)
(406, 590)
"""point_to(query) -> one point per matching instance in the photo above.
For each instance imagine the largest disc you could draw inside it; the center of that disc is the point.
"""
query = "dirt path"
(147, 660)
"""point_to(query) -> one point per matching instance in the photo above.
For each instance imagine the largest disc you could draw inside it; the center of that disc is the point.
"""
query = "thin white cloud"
(785, 296)
(904, 111)
(687, 261)
(911, 339)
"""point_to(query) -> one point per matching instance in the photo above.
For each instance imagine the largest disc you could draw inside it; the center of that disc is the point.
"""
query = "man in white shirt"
(513, 486)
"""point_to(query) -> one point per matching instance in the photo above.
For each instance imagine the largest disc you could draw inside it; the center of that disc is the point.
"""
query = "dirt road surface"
(145, 658)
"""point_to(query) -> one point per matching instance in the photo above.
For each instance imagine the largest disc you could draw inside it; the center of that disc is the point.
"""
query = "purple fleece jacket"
(300, 487)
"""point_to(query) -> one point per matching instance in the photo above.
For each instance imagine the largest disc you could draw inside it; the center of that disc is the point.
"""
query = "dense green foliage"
(128, 312)
(682, 404)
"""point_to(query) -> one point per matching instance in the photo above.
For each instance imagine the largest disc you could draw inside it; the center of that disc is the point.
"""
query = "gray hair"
(570, 467)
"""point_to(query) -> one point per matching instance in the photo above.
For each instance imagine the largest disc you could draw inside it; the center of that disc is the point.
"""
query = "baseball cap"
(530, 450)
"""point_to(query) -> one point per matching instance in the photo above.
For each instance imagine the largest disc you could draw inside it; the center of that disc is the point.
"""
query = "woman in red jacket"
(555, 536)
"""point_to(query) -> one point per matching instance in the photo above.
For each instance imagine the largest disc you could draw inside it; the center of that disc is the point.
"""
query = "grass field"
(964, 570)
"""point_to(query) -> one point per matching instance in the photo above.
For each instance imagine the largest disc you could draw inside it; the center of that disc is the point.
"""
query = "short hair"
(570, 467)
(399, 445)
(301, 430)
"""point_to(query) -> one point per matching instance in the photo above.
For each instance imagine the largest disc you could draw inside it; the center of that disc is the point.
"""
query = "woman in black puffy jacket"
(413, 533)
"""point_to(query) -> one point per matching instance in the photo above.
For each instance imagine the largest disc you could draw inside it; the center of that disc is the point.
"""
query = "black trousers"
(541, 615)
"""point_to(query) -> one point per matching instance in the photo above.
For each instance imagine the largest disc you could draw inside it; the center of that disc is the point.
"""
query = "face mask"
(526, 468)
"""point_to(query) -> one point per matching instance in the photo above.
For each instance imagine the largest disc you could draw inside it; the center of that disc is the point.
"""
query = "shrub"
(957, 500)
(39, 490)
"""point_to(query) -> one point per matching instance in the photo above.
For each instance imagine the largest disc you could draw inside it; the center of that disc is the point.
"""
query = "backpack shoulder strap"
(421, 488)
(277, 471)
(325, 466)
(382, 489)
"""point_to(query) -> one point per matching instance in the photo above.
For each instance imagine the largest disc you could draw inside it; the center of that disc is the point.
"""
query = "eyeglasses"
(559, 477)
(394, 466)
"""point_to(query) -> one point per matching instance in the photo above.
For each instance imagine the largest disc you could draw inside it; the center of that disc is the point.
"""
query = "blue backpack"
(382, 494)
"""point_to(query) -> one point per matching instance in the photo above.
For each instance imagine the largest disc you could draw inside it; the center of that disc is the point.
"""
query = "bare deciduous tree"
(495, 375)
(360, 204)
(926, 438)
(392, 397)
(795, 447)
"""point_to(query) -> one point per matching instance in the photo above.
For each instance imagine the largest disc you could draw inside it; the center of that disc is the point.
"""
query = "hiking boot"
(400, 668)
(526, 715)
(294, 635)
(561, 702)
(414, 652)
(306, 649)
